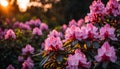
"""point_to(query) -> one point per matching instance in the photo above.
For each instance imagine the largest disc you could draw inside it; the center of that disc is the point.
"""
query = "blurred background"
(52, 12)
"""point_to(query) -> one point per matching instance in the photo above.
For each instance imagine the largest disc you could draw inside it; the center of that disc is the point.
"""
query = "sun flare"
(4, 3)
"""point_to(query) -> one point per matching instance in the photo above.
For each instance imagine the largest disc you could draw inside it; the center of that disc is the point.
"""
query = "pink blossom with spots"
(97, 7)
(77, 61)
(53, 44)
(106, 53)
(91, 31)
(107, 32)
(113, 8)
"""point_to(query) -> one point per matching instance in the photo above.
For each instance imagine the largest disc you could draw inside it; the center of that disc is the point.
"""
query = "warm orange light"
(4, 3)
(23, 4)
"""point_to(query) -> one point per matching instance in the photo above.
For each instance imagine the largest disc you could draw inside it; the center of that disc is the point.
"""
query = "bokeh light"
(23, 4)
(4, 3)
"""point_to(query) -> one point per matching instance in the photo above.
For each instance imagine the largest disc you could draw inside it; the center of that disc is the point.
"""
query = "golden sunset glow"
(4, 3)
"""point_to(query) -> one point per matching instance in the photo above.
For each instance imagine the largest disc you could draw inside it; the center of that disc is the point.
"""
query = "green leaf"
(96, 45)
(74, 42)
(45, 59)
(59, 58)
(88, 43)
(104, 65)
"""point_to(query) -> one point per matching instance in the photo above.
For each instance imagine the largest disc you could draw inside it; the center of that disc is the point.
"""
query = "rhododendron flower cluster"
(10, 67)
(37, 31)
(90, 32)
(73, 46)
(96, 9)
(113, 8)
(28, 64)
(107, 32)
(43, 26)
(28, 49)
(10, 34)
(77, 61)
(22, 26)
(34, 23)
(55, 33)
(53, 44)
(106, 53)
(72, 32)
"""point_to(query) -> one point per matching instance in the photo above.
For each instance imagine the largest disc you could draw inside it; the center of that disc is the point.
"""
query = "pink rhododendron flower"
(106, 53)
(28, 64)
(53, 44)
(80, 22)
(43, 26)
(54, 33)
(20, 58)
(34, 23)
(113, 8)
(24, 26)
(64, 27)
(72, 22)
(78, 61)
(28, 49)
(92, 31)
(16, 24)
(75, 32)
(82, 33)
(37, 31)
(10, 67)
(97, 7)
(70, 33)
(107, 32)
(10, 34)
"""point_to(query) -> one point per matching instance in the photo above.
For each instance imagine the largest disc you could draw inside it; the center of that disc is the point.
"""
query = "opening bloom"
(10, 34)
(107, 32)
(77, 61)
(53, 44)
(106, 53)
(28, 64)
(10, 67)
(28, 49)
(37, 31)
